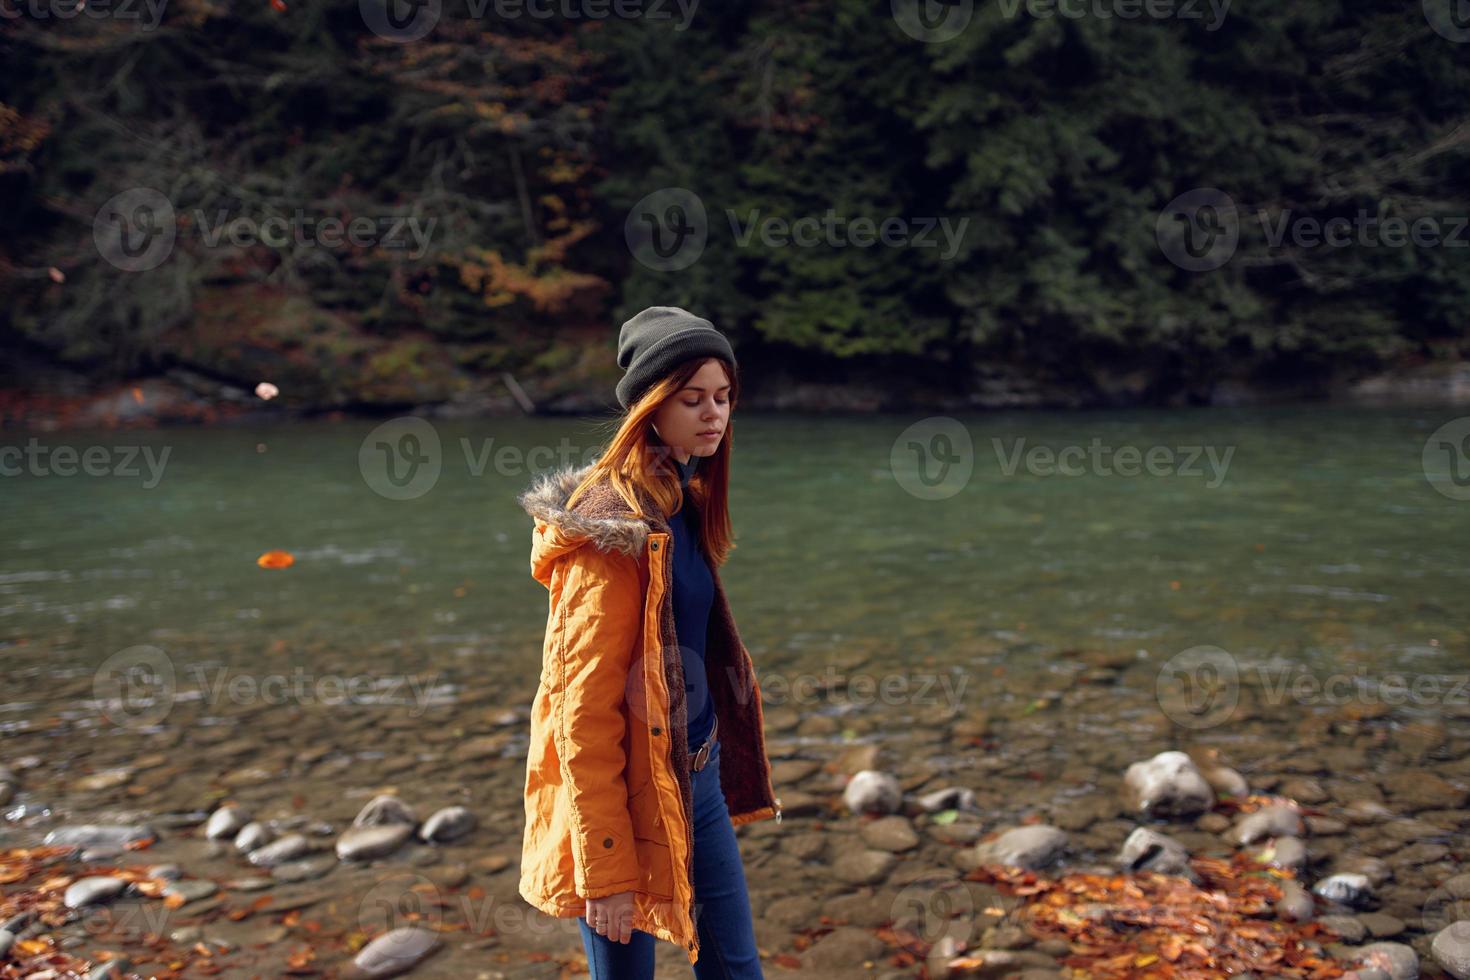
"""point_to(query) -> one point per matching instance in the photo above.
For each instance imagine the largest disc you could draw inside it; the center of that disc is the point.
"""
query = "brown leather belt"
(702, 756)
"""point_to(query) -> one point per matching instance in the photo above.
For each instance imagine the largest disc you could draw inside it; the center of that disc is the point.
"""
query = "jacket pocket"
(650, 842)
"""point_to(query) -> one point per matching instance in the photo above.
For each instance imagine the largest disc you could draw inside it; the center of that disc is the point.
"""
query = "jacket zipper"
(664, 600)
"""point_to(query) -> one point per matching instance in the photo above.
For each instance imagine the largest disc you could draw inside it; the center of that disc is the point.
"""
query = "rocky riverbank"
(41, 395)
(1010, 837)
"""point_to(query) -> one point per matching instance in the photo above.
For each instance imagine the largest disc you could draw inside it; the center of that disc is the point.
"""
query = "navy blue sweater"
(694, 595)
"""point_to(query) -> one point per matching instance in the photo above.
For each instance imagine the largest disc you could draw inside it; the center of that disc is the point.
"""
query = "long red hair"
(640, 464)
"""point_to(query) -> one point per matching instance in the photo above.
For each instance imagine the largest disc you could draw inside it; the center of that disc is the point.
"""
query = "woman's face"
(693, 419)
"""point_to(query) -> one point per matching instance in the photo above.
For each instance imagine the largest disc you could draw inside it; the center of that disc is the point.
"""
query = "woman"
(647, 734)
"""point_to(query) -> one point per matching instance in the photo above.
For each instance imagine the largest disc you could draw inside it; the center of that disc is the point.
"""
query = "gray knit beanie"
(659, 339)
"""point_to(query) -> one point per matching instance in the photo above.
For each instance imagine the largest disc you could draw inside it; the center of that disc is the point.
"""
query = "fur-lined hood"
(600, 518)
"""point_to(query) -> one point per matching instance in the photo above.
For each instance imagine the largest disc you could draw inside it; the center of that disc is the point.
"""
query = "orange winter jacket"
(609, 806)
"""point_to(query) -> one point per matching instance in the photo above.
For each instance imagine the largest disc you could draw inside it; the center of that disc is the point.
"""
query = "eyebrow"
(697, 388)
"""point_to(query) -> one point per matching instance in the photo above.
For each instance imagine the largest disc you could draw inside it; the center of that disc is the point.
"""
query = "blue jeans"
(722, 905)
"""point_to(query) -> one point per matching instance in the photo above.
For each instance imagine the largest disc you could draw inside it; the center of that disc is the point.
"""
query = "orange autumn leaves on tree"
(1151, 926)
(542, 281)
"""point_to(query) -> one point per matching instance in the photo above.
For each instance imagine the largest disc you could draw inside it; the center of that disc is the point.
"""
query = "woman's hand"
(612, 916)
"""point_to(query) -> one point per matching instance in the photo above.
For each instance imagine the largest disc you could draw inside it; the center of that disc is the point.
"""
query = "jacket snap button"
(607, 842)
(657, 730)
(654, 546)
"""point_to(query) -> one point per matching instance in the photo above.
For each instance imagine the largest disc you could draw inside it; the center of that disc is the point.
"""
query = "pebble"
(363, 843)
(844, 947)
(1268, 821)
(1381, 925)
(288, 848)
(1303, 790)
(98, 781)
(450, 823)
(1149, 850)
(1030, 847)
(1284, 852)
(307, 869)
(1168, 785)
(92, 890)
(1422, 790)
(1345, 926)
(1226, 781)
(1295, 904)
(393, 953)
(97, 835)
(225, 822)
(863, 867)
(1400, 962)
(252, 837)
(871, 791)
(192, 889)
(893, 833)
(1451, 949)
(953, 798)
(385, 808)
(249, 884)
(1367, 812)
(1344, 888)
(964, 829)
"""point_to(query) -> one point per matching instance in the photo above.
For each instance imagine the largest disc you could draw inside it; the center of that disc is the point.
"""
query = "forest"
(372, 205)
